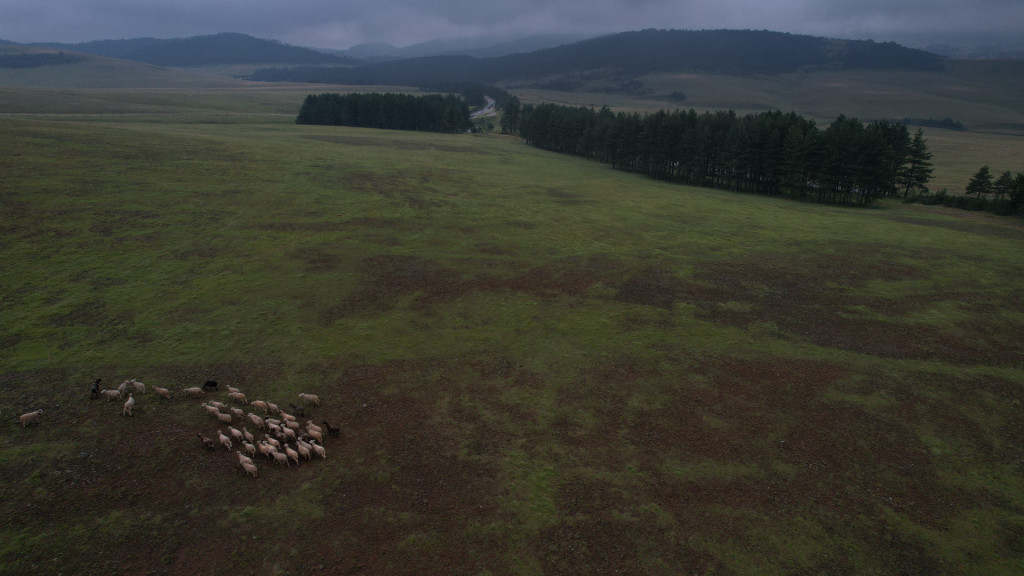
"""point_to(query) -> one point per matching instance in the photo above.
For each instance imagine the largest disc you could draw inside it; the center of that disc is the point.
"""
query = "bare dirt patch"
(818, 300)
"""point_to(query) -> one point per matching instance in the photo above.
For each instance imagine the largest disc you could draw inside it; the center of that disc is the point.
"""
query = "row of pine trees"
(769, 153)
(391, 111)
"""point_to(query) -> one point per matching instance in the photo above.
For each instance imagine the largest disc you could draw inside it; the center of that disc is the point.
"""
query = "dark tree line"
(36, 60)
(769, 153)
(430, 113)
(1007, 192)
(474, 93)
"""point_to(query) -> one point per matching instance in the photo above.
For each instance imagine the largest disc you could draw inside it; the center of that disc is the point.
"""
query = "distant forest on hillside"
(37, 60)
(226, 48)
(632, 54)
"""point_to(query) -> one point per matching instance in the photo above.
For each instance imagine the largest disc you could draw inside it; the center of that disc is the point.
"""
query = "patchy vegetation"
(538, 365)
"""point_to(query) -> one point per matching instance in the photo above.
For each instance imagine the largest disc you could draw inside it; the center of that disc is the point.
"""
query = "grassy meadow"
(539, 365)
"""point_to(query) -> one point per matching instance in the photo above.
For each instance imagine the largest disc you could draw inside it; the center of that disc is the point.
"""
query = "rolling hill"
(40, 67)
(633, 54)
(476, 47)
(224, 48)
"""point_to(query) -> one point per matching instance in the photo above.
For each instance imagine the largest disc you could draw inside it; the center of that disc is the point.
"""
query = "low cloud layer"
(343, 23)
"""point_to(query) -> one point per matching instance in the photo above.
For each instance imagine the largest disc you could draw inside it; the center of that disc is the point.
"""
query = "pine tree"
(981, 182)
(917, 169)
(1004, 185)
(510, 116)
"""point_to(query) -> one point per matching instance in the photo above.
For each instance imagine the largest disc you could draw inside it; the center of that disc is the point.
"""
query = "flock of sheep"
(284, 439)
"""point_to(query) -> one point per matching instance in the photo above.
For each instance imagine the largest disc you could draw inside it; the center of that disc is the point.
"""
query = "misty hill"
(475, 47)
(225, 48)
(44, 67)
(633, 54)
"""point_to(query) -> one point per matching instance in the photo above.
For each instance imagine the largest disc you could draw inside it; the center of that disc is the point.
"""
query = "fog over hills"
(489, 47)
(224, 48)
(632, 54)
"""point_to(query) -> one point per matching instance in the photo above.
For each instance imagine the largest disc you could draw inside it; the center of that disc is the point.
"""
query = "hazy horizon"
(340, 25)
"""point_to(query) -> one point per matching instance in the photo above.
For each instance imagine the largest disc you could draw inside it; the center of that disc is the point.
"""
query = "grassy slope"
(540, 365)
(100, 72)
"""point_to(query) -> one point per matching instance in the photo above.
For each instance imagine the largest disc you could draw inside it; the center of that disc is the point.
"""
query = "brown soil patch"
(968, 221)
(817, 300)
(389, 278)
(569, 277)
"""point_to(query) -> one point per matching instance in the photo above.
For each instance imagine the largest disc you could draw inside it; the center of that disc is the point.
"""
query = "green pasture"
(540, 365)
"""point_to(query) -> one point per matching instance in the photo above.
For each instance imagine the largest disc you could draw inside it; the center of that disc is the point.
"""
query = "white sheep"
(257, 421)
(259, 404)
(30, 417)
(249, 447)
(213, 410)
(320, 450)
(265, 449)
(162, 392)
(291, 454)
(194, 392)
(128, 406)
(273, 407)
(237, 412)
(139, 386)
(250, 468)
(310, 399)
(236, 433)
(289, 433)
(311, 426)
(123, 387)
(233, 389)
(218, 405)
(248, 435)
(225, 418)
(242, 458)
(238, 397)
(303, 451)
(224, 440)
(111, 394)
(281, 457)
(318, 436)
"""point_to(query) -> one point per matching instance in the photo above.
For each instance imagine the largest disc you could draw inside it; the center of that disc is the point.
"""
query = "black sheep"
(210, 384)
(207, 442)
(299, 410)
(94, 392)
(332, 430)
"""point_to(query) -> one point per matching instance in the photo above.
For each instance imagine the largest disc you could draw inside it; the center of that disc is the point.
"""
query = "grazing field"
(539, 365)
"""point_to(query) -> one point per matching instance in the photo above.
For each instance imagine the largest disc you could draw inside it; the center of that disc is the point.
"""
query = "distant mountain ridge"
(475, 47)
(224, 48)
(633, 54)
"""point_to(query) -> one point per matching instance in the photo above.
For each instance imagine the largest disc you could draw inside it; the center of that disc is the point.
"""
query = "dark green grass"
(541, 365)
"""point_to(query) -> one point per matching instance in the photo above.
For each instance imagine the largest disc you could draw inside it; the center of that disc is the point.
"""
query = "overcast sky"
(344, 23)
